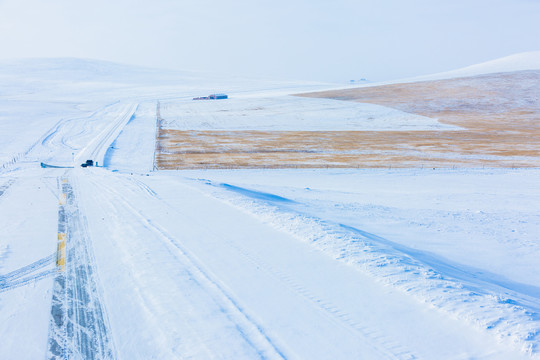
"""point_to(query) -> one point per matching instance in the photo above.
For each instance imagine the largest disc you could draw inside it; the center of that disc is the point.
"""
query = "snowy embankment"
(452, 270)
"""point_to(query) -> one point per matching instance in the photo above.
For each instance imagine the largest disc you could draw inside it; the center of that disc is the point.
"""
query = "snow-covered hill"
(517, 62)
(74, 69)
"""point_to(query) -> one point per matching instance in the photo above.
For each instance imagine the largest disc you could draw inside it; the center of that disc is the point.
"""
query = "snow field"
(336, 264)
(290, 113)
(23, 123)
(28, 213)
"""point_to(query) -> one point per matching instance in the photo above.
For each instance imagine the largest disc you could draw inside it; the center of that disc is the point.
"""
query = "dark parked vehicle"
(88, 163)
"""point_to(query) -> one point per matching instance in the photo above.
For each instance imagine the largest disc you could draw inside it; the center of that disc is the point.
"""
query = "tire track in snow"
(380, 343)
(6, 186)
(29, 280)
(98, 146)
(488, 309)
(17, 274)
(249, 329)
(70, 136)
(79, 325)
(376, 340)
(17, 277)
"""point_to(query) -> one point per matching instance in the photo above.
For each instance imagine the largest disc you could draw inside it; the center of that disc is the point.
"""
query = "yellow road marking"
(61, 253)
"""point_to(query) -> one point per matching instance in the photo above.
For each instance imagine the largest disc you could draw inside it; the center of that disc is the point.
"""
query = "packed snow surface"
(120, 261)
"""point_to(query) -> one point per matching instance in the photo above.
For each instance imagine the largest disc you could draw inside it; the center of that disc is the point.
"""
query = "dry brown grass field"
(499, 117)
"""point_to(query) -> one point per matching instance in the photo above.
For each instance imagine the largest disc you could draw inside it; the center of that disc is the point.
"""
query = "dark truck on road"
(88, 163)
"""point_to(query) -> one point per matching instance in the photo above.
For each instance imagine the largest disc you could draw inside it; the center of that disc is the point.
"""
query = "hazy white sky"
(330, 40)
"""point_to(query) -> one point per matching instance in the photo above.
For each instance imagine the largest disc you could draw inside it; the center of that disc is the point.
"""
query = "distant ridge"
(75, 69)
(517, 62)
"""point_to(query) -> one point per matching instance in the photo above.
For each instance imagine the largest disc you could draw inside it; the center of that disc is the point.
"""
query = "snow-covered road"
(79, 324)
(246, 289)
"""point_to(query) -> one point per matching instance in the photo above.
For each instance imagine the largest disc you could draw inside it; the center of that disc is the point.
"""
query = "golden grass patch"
(499, 115)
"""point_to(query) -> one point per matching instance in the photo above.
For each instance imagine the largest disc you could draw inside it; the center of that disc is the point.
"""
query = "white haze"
(294, 39)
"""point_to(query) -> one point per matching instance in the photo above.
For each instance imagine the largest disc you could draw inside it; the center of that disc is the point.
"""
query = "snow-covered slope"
(74, 69)
(516, 62)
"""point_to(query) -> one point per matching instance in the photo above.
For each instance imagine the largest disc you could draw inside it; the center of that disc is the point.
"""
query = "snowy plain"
(290, 113)
(249, 264)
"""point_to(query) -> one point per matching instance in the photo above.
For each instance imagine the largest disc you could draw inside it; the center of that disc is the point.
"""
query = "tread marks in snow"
(6, 186)
(380, 343)
(253, 333)
(78, 326)
(17, 277)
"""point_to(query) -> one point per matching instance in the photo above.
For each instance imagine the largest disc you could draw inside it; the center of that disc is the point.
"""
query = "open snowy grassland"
(122, 261)
(499, 115)
(287, 113)
(484, 120)
(281, 131)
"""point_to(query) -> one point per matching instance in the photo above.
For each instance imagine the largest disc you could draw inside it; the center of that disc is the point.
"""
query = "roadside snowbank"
(436, 269)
